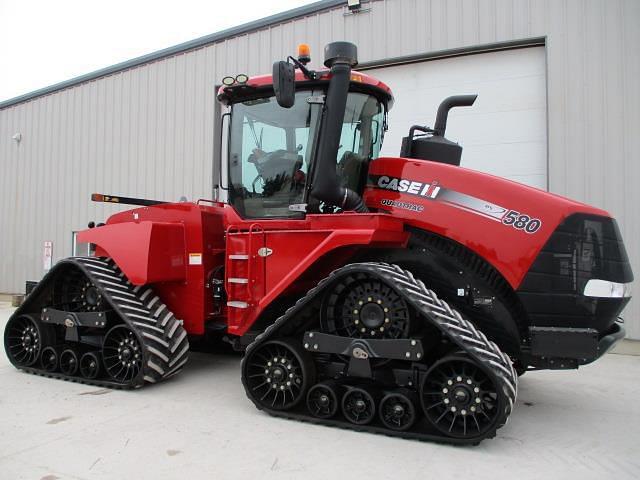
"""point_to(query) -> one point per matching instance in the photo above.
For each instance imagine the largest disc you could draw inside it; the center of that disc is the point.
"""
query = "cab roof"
(264, 84)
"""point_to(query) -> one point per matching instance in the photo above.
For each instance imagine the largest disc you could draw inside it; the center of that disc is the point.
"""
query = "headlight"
(606, 289)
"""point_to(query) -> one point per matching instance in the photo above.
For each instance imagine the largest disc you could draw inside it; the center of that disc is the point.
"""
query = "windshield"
(269, 155)
(360, 140)
(270, 150)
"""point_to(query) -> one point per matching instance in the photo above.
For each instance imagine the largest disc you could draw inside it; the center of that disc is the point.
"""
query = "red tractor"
(398, 295)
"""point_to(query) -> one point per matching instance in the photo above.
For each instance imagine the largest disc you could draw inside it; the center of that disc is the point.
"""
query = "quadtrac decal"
(435, 192)
(414, 207)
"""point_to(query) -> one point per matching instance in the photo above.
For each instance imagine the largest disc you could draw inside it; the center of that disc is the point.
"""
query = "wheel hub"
(323, 400)
(29, 339)
(279, 373)
(92, 298)
(462, 395)
(398, 410)
(128, 352)
(360, 405)
(372, 315)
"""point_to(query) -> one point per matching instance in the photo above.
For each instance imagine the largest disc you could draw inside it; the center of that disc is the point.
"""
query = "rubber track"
(162, 337)
(448, 320)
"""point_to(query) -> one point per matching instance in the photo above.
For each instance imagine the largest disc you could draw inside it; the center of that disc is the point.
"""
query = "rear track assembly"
(85, 322)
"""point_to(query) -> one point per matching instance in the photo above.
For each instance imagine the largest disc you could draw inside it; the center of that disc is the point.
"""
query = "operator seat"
(352, 170)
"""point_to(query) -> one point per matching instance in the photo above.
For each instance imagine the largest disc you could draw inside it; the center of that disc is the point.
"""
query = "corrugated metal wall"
(148, 131)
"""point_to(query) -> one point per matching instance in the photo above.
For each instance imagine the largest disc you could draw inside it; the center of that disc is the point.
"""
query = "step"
(237, 304)
(238, 280)
(238, 257)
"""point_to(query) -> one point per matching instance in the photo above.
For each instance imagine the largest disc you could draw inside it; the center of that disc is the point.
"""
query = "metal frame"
(453, 52)
(472, 50)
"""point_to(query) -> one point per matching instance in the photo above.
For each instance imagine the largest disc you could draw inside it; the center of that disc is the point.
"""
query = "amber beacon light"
(304, 53)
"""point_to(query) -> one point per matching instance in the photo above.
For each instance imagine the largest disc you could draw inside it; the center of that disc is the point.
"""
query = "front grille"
(582, 247)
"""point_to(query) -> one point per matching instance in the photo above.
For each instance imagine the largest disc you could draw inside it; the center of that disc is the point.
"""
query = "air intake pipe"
(446, 105)
(339, 57)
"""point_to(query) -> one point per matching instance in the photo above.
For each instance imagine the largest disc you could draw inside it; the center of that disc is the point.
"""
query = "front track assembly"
(85, 322)
(371, 348)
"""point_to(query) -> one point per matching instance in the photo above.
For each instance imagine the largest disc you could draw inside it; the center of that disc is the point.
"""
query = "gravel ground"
(578, 424)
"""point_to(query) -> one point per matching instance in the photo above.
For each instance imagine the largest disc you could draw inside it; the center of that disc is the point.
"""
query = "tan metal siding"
(148, 131)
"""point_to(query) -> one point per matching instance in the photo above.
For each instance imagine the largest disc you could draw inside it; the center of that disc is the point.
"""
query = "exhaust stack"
(436, 148)
(340, 57)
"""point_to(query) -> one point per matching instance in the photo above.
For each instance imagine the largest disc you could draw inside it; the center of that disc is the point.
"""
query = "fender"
(505, 222)
(152, 252)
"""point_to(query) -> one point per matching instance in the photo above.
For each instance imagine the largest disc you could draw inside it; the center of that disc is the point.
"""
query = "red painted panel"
(472, 208)
(294, 247)
(147, 252)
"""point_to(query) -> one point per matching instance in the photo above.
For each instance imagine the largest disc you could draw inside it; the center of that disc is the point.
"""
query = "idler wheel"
(322, 400)
(358, 406)
(68, 362)
(460, 399)
(122, 354)
(90, 365)
(398, 411)
(278, 373)
(23, 340)
(49, 359)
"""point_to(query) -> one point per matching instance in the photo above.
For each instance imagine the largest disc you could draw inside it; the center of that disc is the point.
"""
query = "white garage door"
(503, 133)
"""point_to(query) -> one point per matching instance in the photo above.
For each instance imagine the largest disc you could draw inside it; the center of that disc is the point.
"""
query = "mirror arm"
(310, 74)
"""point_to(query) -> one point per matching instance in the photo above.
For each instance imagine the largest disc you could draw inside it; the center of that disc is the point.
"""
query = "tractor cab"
(305, 145)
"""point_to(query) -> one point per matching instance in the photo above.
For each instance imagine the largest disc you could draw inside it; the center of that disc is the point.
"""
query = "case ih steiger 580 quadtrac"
(396, 295)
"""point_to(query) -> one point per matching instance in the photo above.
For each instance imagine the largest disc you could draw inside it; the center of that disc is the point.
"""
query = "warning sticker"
(195, 259)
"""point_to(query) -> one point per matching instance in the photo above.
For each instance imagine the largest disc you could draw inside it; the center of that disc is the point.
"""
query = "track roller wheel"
(278, 374)
(23, 340)
(322, 400)
(397, 411)
(68, 362)
(90, 365)
(460, 399)
(358, 406)
(49, 359)
(122, 353)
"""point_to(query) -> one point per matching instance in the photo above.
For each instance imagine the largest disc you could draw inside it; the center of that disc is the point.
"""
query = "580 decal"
(521, 221)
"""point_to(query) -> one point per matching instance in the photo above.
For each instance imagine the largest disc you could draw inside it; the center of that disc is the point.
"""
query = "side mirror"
(284, 84)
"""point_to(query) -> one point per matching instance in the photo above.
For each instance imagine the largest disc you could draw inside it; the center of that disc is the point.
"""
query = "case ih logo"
(497, 213)
(429, 190)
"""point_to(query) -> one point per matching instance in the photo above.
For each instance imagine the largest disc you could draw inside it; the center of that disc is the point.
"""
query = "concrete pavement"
(578, 424)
